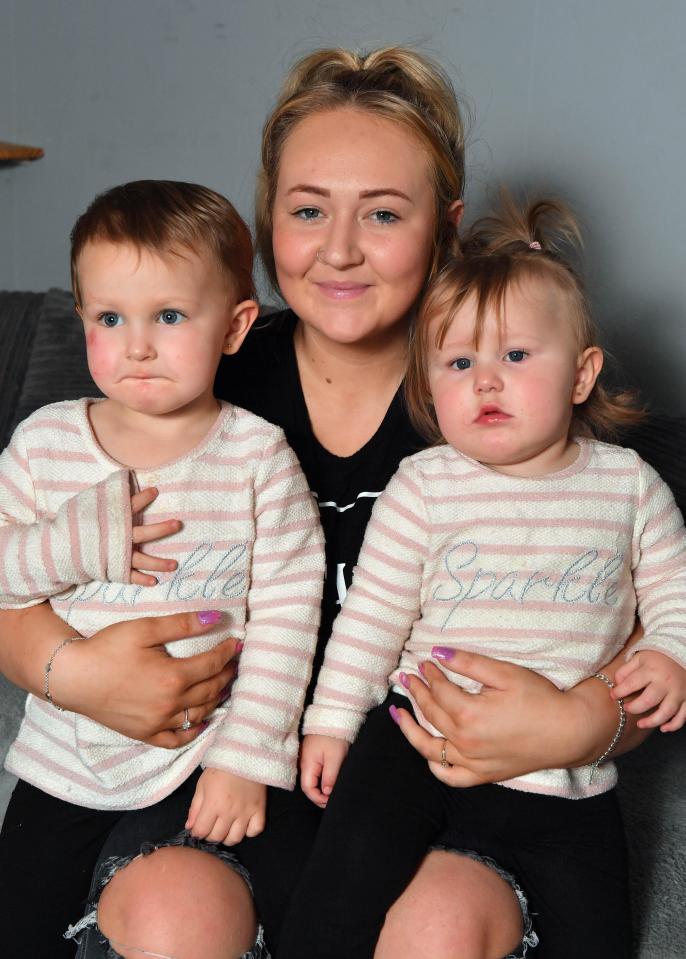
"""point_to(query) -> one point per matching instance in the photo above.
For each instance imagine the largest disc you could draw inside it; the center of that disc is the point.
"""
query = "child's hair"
(538, 244)
(394, 83)
(166, 216)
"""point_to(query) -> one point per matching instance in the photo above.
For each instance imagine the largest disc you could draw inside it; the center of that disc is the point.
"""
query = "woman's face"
(353, 224)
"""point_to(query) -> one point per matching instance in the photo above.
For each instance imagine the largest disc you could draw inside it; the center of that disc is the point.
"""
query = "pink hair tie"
(535, 245)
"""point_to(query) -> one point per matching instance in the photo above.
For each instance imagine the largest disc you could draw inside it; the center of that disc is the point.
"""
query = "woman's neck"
(348, 387)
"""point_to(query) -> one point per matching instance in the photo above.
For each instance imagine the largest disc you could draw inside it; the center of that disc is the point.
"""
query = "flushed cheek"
(100, 355)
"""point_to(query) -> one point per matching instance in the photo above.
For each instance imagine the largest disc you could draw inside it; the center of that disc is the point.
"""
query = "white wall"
(580, 96)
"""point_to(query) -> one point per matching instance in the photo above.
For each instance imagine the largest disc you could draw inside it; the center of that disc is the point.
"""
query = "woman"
(358, 203)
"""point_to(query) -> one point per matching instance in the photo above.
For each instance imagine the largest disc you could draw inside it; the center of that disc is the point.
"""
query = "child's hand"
(321, 758)
(148, 534)
(662, 684)
(226, 807)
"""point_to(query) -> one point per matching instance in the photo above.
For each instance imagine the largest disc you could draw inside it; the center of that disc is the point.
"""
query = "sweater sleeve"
(379, 610)
(660, 569)
(89, 538)
(258, 737)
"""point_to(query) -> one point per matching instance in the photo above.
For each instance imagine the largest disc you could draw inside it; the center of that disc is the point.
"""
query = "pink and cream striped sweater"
(251, 546)
(547, 572)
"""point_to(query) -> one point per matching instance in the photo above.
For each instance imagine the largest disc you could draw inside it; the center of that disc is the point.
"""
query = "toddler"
(162, 276)
(521, 537)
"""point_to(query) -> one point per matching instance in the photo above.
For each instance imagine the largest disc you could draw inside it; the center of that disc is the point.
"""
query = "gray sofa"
(43, 360)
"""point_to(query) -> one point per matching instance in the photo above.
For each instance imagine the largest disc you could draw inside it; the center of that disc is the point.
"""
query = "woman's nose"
(341, 248)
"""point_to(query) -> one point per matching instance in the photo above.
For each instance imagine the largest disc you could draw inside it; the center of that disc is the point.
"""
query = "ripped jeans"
(48, 852)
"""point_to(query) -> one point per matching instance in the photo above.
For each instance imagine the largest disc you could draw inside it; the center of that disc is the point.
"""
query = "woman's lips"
(342, 291)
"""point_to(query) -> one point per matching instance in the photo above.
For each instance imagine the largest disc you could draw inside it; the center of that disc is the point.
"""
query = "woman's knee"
(178, 902)
(454, 908)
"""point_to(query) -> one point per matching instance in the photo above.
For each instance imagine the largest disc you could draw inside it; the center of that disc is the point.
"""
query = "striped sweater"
(251, 546)
(547, 572)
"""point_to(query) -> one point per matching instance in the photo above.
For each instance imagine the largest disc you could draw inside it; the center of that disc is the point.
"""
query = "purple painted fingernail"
(404, 680)
(203, 725)
(443, 653)
(209, 616)
(395, 715)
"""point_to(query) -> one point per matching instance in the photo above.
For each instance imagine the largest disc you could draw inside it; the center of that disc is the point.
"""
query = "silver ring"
(444, 758)
(186, 724)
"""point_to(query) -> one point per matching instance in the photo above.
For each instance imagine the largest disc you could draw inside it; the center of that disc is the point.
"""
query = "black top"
(263, 377)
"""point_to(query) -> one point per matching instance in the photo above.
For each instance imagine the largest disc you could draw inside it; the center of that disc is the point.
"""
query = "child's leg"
(383, 813)
(48, 849)
(568, 856)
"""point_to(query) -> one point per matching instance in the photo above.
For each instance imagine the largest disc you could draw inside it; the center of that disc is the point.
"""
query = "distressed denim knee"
(93, 943)
(529, 938)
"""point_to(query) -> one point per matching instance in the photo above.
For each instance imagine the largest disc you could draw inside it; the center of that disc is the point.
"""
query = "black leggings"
(387, 809)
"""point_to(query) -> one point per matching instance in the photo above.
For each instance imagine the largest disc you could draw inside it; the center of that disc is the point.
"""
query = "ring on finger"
(444, 758)
(186, 724)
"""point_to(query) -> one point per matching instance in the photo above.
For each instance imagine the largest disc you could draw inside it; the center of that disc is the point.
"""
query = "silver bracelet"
(618, 732)
(48, 669)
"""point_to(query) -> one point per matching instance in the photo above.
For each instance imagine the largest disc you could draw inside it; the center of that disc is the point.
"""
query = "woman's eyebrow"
(363, 195)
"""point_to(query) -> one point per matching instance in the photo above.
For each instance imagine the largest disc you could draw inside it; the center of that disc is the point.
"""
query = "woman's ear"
(589, 365)
(243, 315)
(455, 212)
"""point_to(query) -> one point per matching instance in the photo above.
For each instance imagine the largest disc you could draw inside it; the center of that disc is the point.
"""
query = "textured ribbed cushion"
(57, 368)
(18, 320)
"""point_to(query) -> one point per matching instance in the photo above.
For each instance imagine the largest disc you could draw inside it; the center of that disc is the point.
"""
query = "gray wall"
(584, 97)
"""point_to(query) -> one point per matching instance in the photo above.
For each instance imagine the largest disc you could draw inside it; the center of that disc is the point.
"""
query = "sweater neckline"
(226, 412)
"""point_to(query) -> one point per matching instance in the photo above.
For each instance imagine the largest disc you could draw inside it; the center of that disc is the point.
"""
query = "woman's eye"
(515, 356)
(171, 317)
(307, 213)
(110, 319)
(384, 216)
(461, 363)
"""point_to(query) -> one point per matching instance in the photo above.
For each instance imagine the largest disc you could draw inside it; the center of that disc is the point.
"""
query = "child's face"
(508, 403)
(156, 326)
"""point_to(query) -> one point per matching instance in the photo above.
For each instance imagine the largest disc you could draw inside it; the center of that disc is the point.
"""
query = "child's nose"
(140, 346)
(487, 379)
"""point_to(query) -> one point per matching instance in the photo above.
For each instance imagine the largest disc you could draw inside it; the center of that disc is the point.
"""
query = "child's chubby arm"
(47, 546)
(660, 683)
(226, 807)
(321, 758)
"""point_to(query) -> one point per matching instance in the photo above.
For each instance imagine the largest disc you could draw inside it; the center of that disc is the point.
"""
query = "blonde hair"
(395, 83)
(515, 245)
(163, 216)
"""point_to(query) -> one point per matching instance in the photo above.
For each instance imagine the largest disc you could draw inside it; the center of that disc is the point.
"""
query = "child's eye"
(461, 363)
(384, 216)
(171, 317)
(110, 320)
(307, 213)
(515, 356)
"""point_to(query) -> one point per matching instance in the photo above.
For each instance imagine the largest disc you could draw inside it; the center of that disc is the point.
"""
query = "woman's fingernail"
(444, 653)
(404, 680)
(421, 668)
(395, 716)
(203, 725)
(209, 616)
(239, 646)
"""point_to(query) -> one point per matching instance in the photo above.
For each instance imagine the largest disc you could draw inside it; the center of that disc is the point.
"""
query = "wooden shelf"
(16, 152)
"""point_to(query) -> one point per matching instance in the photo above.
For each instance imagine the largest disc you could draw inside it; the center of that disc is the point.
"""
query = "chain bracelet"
(618, 732)
(48, 669)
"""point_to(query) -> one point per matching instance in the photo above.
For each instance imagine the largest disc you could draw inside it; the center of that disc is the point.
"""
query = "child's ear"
(243, 315)
(589, 365)
(455, 212)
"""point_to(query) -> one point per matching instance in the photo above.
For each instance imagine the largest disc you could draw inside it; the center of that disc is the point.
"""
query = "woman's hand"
(123, 678)
(519, 722)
